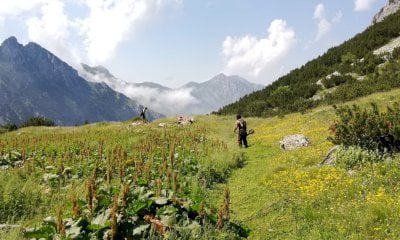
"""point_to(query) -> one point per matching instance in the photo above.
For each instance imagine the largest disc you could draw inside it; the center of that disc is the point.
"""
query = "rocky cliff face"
(34, 82)
(391, 7)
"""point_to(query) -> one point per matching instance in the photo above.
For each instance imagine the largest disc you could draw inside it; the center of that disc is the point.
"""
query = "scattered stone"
(73, 229)
(49, 177)
(50, 168)
(330, 156)
(162, 124)
(102, 218)
(46, 190)
(185, 120)
(350, 172)
(19, 164)
(135, 124)
(4, 167)
(49, 220)
(67, 171)
(160, 200)
(291, 142)
(4, 227)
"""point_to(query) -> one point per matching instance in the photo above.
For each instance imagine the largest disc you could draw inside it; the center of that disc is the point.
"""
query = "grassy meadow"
(290, 195)
(117, 179)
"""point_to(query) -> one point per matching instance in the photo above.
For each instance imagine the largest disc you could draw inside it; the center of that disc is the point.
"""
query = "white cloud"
(52, 25)
(363, 5)
(93, 35)
(324, 25)
(10, 9)
(107, 24)
(111, 22)
(16, 7)
(2, 20)
(338, 17)
(319, 12)
(250, 56)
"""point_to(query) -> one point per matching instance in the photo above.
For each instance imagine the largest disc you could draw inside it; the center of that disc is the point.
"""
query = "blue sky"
(172, 42)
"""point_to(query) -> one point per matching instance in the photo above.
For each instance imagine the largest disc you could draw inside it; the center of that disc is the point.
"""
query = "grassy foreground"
(277, 194)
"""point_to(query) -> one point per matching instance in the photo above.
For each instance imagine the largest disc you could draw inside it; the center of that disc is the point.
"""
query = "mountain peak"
(221, 75)
(11, 42)
(391, 7)
(34, 46)
(97, 70)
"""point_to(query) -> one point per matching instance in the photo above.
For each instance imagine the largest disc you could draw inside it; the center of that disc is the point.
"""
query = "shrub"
(349, 157)
(364, 127)
(8, 127)
(38, 121)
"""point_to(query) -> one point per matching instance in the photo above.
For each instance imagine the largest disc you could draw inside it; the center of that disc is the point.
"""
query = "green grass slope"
(277, 194)
(289, 195)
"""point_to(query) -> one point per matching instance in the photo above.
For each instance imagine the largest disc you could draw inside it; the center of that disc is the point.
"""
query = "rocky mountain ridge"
(34, 82)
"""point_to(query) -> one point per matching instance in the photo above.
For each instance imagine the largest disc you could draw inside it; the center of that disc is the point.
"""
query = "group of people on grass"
(240, 128)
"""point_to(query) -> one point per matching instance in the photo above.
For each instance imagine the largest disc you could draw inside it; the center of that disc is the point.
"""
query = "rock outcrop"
(391, 7)
(330, 156)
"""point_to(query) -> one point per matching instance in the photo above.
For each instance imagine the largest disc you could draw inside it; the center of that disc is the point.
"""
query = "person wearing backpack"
(242, 133)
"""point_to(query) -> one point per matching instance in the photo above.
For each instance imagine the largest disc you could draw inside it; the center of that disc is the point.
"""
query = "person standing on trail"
(143, 114)
(242, 133)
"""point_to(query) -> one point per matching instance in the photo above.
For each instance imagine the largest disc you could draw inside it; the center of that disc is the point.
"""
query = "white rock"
(294, 141)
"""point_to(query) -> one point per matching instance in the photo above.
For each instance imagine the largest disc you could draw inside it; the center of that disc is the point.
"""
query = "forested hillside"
(343, 73)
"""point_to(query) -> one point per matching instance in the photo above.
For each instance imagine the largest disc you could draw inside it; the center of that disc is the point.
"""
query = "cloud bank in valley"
(169, 102)
(163, 100)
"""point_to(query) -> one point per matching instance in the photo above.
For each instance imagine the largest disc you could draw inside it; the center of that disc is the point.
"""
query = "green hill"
(343, 73)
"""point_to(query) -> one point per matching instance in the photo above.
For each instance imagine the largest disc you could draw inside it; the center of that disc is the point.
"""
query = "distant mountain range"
(34, 82)
(192, 98)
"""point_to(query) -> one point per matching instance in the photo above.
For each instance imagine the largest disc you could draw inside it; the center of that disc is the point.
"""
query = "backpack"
(242, 127)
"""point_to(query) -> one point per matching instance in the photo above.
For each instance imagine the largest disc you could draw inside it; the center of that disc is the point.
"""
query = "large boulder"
(291, 142)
